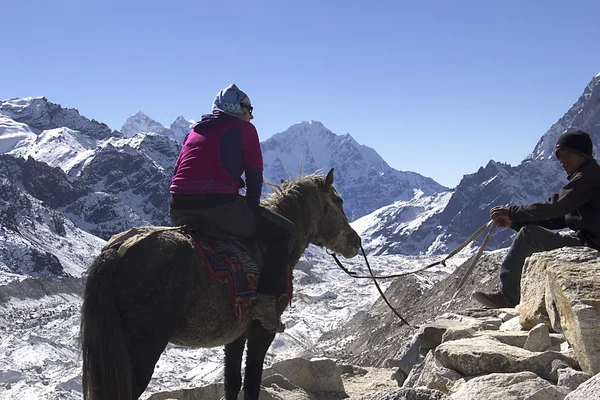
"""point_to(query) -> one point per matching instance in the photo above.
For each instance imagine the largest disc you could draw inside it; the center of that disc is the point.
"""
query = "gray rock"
(586, 391)
(513, 324)
(400, 377)
(571, 378)
(278, 381)
(573, 295)
(319, 375)
(532, 309)
(538, 338)
(482, 355)
(511, 386)
(10, 376)
(507, 314)
(411, 358)
(568, 350)
(214, 391)
(480, 323)
(513, 338)
(353, 370)
(406, 394)
(432, 375)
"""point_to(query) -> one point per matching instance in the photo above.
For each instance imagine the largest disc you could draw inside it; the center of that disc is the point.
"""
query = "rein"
(443, 262)
(353, 274)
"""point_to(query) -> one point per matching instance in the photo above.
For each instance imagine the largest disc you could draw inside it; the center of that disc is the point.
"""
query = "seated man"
(576, 206)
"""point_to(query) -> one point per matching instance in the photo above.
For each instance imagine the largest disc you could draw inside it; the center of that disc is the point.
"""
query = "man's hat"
(576, 141)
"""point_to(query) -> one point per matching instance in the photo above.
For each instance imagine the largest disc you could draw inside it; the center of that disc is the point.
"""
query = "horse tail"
(107, 371)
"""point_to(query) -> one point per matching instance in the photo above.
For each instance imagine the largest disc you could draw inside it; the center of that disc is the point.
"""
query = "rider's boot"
(265, 311)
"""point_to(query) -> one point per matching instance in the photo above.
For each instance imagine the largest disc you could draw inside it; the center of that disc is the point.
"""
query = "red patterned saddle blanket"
(232, 263)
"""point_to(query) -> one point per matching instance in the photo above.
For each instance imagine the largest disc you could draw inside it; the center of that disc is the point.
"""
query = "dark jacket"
(576, 206)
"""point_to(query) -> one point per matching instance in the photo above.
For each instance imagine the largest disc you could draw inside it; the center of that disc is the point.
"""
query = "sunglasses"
(249, 108)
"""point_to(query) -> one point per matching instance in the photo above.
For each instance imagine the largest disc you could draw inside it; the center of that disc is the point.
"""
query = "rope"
(375, 281)
(443, 262)
(474, 261)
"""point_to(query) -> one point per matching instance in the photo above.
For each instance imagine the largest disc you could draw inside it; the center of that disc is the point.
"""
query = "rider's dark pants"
(530, 239)
(234, 215)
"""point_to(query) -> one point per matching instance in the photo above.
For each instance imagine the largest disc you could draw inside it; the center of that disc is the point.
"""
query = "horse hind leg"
(233, 368)
(144, 354)
(149, 324)
(259, 340)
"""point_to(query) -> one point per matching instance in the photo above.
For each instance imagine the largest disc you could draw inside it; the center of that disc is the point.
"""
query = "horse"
(159, 292)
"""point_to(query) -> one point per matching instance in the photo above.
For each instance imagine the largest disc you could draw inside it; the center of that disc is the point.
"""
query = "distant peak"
(311, 122)
(308, 126)
(17, 103)
(140, 114)
(140, 122)
(141, 118)
(181, 121)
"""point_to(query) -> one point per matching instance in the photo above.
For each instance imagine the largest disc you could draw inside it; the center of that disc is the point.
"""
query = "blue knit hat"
(229, 101)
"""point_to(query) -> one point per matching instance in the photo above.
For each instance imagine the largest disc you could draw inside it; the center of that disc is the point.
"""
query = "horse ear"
(329, 178)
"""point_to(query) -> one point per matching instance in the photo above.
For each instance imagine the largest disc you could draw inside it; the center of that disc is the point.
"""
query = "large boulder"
(430, 335)
(513, 338)
(512, 386)
(484, 355)
(573, 303)
(532, 308)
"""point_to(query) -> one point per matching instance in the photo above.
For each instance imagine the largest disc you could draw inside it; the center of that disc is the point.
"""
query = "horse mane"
(299, 200)
(291, 195)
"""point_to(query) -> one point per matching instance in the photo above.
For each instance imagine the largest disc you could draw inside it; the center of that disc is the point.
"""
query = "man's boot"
(497, 299)
(265, 311)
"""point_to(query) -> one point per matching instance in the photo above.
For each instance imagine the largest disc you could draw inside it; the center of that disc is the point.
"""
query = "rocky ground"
(544, 349)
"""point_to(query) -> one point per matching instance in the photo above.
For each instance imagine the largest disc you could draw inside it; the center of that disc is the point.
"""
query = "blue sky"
(435, 87)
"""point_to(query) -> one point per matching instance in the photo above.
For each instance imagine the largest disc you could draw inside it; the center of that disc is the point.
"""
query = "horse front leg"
(259, 340)
(233, 368)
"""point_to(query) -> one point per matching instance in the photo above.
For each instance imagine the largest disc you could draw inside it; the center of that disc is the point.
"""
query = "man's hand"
(499, 215)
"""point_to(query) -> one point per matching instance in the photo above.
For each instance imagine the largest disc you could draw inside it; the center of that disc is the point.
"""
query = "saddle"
(231, 262)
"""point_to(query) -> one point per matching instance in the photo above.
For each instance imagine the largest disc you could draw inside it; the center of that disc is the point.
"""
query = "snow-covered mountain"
(141, 123)
(363, 178)
(537, 177)
(393, 229)
(124, 177)
(128, 173)
(39, 114)
(36, 239)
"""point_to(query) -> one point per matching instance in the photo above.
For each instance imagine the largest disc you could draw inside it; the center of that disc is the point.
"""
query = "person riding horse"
(205, 187)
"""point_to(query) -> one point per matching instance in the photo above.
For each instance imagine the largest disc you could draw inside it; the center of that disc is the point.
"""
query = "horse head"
(334, 230)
